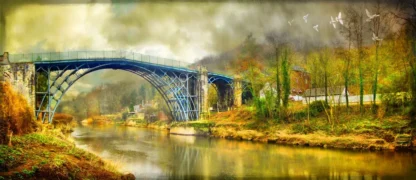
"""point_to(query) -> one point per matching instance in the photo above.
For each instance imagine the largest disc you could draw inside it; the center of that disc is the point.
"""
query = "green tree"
(286, 76)
(276, 42)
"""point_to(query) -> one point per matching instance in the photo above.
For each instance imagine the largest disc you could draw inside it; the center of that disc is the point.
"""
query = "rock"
(372, 147)
(379, 141)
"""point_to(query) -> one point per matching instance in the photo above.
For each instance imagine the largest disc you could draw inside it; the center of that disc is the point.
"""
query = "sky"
(186, 31)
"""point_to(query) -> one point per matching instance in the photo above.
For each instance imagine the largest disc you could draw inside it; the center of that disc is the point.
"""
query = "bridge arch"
(178, 88)
(224, 89)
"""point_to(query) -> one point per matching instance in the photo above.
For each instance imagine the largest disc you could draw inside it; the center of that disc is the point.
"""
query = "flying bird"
(316, 28)
(333, 22)
(370, 17)
(305, 17)
(339, 18)
(290, 22)
(375, 38)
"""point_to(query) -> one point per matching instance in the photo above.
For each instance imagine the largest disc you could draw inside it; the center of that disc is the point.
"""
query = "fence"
(367, 99)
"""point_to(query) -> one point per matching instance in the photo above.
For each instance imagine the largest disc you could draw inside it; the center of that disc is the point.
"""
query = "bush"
(396, 102)
(317, 107)
(125, 115)
(300, 115)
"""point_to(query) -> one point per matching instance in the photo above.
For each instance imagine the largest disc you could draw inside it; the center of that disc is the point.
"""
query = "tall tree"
(346, 56)
(355, 19)
(379, 27)
(277, 42)
(250, 68)
(286, 76)
(406, 11)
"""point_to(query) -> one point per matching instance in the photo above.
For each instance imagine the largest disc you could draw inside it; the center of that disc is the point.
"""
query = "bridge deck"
(63, 59)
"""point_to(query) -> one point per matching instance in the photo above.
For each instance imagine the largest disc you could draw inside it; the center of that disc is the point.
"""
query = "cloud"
(56, 28)
(186, 30)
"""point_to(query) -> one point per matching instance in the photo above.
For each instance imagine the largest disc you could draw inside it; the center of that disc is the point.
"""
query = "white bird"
(290, 22)
(316, 28)
(305, 17)
(339, 18)
(375, 38)
(333, 22)
(370, 17)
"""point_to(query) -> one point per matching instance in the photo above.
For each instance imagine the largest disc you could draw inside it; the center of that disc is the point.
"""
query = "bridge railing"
(94, 55)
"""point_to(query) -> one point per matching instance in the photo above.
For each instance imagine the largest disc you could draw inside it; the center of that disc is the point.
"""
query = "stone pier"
(20, 75)
(238, 91)
(203, 91)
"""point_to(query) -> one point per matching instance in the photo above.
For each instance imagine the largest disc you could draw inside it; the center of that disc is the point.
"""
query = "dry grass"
(62, 118)
(15, 113)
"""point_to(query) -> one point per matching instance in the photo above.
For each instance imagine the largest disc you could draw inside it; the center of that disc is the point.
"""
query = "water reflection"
(156, 154)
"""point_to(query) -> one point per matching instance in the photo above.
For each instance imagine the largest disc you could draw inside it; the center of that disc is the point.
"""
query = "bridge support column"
(238, 91)
(20, 76)
(203, 92)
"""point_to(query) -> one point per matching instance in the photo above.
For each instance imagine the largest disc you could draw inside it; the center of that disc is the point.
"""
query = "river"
(155, 154)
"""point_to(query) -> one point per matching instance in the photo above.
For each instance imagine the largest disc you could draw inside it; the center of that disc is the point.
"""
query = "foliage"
(318, 106)
(16, 115)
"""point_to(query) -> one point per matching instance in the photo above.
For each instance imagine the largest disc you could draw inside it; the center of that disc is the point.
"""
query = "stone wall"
(21, 76)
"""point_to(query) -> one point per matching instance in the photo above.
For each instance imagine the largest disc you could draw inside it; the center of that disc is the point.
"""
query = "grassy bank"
(349, 132)
(46, 156)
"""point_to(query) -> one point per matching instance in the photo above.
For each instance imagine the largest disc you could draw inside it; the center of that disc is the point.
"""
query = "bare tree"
(355, 34)
(379, 28)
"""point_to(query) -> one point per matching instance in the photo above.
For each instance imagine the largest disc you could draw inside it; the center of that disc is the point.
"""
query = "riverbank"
(50, 156)
(352, 132)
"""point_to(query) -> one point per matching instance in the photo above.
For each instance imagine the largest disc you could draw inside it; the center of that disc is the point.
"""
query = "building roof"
(298, 68)
(337, 90)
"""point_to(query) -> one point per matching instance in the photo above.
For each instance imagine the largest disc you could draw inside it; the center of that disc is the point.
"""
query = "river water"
(151, 154)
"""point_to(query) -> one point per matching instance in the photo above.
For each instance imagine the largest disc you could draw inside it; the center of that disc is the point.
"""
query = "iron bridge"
(180, 86)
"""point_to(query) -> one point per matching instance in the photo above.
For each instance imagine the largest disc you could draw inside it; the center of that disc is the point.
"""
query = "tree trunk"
(286, 79)
(375, 83)
(346, 85)
(326, 86)
(278, 93)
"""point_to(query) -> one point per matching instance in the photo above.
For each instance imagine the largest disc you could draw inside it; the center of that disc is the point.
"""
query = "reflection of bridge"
(48, 76)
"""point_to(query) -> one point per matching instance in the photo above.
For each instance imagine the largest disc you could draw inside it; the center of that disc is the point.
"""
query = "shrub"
(396, 102)
(317, 107)
(125, 115)
(300, 115)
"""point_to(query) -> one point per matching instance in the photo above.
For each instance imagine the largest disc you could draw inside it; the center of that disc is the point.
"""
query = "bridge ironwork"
(180, 86)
